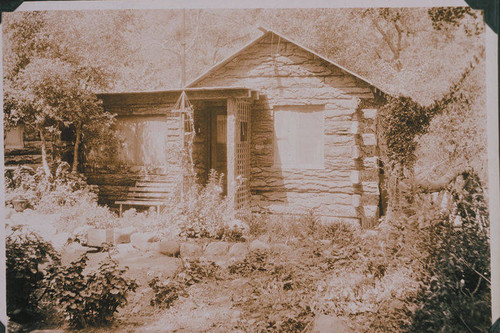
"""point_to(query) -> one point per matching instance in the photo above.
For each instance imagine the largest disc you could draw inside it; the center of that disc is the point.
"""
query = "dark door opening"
(218, 143)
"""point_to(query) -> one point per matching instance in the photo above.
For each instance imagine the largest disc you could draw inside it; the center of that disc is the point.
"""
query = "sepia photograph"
(248, 169)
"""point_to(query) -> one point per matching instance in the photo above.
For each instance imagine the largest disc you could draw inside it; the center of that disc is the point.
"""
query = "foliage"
(455, 295)
(197, 270)
(50, 84)
(289, 228)
(90, 299)
(256, 261)
(26, 252)
(203, 211)
(446, 17)
(457, 137)
(166, 292)
(64, 189)
(401, 120)
(279, 297)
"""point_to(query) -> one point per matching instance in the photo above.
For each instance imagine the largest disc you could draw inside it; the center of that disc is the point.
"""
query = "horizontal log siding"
(114, 180)
(285, 74)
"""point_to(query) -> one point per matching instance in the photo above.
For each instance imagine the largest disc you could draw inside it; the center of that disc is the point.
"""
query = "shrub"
(455, 295)
(203, 211)
(93, 299)
(25, 253)
(166, 292)
(197, 270)
(48, 194)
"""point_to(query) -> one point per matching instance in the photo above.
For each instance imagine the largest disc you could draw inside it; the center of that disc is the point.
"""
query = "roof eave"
(267, 31)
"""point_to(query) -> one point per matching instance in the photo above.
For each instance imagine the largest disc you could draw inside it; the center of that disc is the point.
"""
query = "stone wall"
(285, 74)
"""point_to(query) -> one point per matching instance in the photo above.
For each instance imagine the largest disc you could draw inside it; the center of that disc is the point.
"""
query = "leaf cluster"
(90, 299)
(455, 294)
(401, 120)
(165, 292)
(26, 252)
(48, 194)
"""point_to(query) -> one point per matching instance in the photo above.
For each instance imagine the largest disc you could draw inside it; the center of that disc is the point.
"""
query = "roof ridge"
(267, 31)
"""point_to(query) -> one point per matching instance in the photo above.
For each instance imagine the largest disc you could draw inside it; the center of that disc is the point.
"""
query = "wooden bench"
(146, 193)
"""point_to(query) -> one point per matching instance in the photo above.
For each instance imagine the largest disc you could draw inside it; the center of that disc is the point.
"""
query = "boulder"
(72, 252)
(238, 251)
(60, 239)
(8, 213)
(281, 248)
(216, 249)
(124, 250)
(122, 235)
(191, 250)
(239, 225)
(258, 245)
(169, 247)
(330, 324)
(96, 237)
(143, 240)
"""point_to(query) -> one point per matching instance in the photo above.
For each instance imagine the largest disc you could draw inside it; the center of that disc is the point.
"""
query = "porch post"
(231, 150)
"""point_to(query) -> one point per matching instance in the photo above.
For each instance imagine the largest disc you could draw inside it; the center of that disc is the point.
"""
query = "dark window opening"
(243, 131)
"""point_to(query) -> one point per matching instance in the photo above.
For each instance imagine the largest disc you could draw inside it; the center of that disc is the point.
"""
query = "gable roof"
(268, 32)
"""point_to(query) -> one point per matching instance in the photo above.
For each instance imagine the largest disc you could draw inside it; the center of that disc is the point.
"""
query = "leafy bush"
(166, 292)
(48, 194)
(203, 211)
(26, 252)
(197, 270)
(455, 295)
(92, 299)
(256, 261)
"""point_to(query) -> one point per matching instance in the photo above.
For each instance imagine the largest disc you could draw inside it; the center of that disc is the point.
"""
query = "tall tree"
(55, 64)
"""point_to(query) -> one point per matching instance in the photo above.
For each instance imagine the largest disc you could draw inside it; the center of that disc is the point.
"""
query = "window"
(298, 136)
(13, 138)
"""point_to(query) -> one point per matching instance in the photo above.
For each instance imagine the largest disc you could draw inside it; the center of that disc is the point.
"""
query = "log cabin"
(296, 129)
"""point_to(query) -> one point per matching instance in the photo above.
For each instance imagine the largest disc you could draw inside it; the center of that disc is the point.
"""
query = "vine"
(402, 120)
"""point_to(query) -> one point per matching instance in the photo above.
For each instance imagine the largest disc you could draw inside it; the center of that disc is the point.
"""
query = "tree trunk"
(74, 168)
(45, 164)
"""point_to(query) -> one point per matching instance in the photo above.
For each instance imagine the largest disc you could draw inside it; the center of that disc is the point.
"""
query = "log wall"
(285, 74)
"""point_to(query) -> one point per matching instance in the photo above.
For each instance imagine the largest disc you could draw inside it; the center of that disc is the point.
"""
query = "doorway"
(218, 143)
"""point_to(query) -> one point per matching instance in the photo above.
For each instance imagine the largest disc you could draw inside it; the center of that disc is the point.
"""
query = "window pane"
(299, 132)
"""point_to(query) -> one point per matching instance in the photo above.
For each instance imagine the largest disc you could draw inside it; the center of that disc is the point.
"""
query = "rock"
(329, 324)
(258, 245)
(122, 235)
(47, 331)
(8, 213)
(60, 239)
(124, 250)
(72, 252)
(80, 233)
(216, 249)
(96, 237)
(239, 225)
(281, 248)
(142, 240)
(191, 250)
(238, 251)
(169, 247)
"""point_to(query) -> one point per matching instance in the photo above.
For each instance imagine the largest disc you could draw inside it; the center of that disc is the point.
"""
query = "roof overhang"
(171, 96)
(267, 32)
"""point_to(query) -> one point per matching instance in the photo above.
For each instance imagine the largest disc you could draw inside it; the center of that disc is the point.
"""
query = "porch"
(222, 132)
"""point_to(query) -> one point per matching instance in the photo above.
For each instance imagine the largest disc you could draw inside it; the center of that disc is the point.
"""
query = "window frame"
(294, 124)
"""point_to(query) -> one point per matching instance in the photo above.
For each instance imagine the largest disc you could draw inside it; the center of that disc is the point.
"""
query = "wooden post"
(231, 150)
